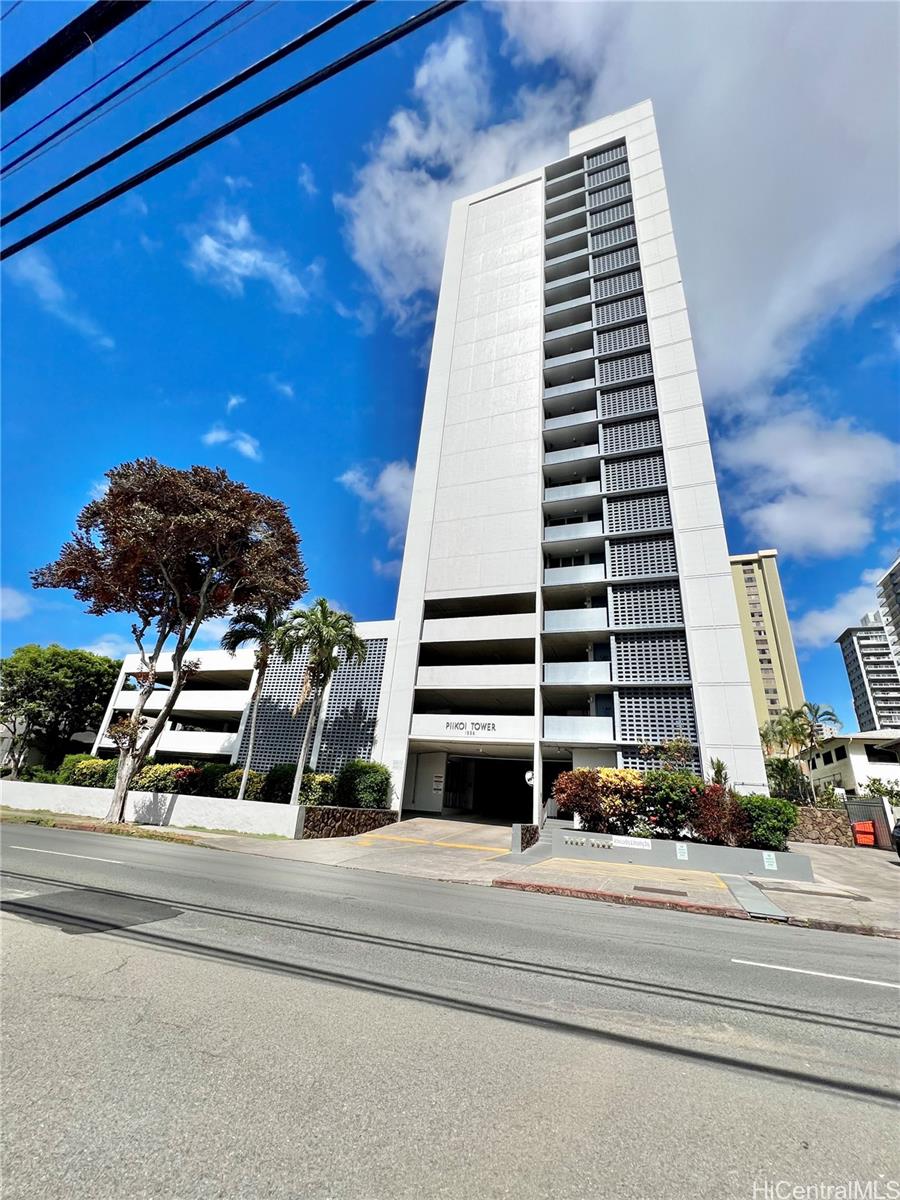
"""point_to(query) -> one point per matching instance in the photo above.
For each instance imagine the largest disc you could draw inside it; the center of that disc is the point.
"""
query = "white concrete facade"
(850, 761)
(536, 520)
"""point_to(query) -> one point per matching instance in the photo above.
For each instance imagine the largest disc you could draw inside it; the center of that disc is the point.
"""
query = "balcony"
(572, 454)
(572, 420)
(572, 220)
(589, 489)
(567, 286)
(591, 731)
(573, 388)
(573, 242)
(202, 742)
(462, 728)
(564, 183)
(565, 201)
(568, 338)
(576, 620)
(476, 629)
(211, 703)
(583, 532)
(477, 675)
(577, 674)
(586, 573)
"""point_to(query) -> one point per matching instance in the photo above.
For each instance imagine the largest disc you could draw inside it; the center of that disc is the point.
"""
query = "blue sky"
(267, 306)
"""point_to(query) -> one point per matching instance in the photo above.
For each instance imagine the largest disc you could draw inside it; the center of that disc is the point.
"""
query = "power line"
(207, 98)
(67, 43)
(176, 66)
(123, 87)
(12, 8)
(365, 51)
(103, 78)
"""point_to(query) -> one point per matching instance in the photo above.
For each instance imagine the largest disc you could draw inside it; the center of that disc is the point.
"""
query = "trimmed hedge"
(362, 784)
(317, 790)
(230, 784)
(770, 821)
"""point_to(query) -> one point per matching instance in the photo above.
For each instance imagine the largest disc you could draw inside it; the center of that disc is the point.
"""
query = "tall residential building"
(889, 606)
(566, 596)
(766, 630)
(873, 674)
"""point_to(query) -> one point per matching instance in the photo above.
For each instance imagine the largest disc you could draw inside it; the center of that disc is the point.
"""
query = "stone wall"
(328, 822)
(822, 826)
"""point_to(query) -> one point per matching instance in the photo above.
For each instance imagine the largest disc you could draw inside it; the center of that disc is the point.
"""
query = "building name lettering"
(470, 728)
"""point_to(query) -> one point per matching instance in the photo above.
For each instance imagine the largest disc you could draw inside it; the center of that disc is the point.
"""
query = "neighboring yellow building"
(768, 642)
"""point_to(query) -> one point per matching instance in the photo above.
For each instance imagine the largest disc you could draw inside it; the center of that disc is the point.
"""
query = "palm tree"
(259, 628)
(817, 717)
(323, 632)
(770, 737)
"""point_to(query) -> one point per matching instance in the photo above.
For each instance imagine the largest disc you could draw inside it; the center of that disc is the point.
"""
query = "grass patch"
(43, 816)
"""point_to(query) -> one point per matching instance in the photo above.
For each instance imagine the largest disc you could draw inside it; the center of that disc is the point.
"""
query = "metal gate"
(874, 811)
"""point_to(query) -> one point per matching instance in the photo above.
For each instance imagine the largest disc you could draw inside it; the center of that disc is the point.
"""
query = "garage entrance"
(488, 789)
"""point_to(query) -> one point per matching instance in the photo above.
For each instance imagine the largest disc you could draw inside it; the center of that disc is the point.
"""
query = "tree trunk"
(307, 742)
(257, 692)
(124, 775)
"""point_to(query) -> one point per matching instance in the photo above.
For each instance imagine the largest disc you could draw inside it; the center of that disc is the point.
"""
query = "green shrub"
(769, 821)
(208, 779)
(38, 775)
(112, 769)
(229, 784)
(167, 777)
(277, 786)
(670, 800)
(66, 772)
(90, 772)
(362, 784)
(319, 789)
(786, 779)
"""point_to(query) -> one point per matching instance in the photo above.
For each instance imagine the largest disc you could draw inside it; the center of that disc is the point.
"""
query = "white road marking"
(745, 962)
(63, 854)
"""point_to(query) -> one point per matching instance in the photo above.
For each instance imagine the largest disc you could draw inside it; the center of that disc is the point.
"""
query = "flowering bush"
(719, 818)
(605, 798)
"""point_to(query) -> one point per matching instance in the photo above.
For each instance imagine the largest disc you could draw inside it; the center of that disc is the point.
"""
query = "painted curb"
(839, 927)
(550, 889)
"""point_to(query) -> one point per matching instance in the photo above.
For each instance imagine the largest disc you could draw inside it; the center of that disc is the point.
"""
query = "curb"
(549, 889)
(839, 927)
(101, 827)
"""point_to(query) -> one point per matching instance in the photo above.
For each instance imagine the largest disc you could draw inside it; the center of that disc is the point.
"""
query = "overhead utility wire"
(123, 87)
(258, 11)
(12, 8)
(207, 98)
(67, 43)
(304, 85)
(126, 62)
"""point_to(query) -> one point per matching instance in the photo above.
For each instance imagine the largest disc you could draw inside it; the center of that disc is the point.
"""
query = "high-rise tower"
(872, 672)
(566, 595)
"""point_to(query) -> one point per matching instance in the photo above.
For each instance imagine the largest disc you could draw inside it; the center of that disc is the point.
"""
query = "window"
(827, 758)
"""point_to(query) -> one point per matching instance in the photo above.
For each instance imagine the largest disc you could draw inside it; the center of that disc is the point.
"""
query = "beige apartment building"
(771, 658)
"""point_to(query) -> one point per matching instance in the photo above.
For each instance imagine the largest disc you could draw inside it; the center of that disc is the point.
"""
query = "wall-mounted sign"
(630, 843)
(465, 727)
(470, 728)
(770, 862)
(681, 850)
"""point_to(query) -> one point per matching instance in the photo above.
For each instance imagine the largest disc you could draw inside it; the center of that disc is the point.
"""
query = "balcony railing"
(577, 673)
(570, 420)
(577, 531)
(573, 491)
(230, 702)
(472, 629)
(578, 730)
(477, 675)
(575, 620)
(586, 573)
(572, 454)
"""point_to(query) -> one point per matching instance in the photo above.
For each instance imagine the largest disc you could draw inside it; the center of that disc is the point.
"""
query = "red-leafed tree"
(174, 548)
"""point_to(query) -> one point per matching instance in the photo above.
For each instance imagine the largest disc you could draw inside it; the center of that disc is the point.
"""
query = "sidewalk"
(856, 890)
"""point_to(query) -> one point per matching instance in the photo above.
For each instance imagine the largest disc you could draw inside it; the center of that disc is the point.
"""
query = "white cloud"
(211, 632)
(281, 386)
(387, 569)
(237, 439)
(363, 314)
(306, 181)
(234, 402)
(820, 626)
(98, 489)
(33, 269)
(765, 157)
(113, 645)
(808, 485)
(386, 494)
(229, 252)
(14, 605)
(135, 204)
(237, 183)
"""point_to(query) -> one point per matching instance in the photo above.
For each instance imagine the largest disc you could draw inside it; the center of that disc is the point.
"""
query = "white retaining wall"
(156, 808)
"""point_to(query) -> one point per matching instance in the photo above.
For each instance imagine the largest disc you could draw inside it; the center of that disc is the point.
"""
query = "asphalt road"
(184, 1023)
